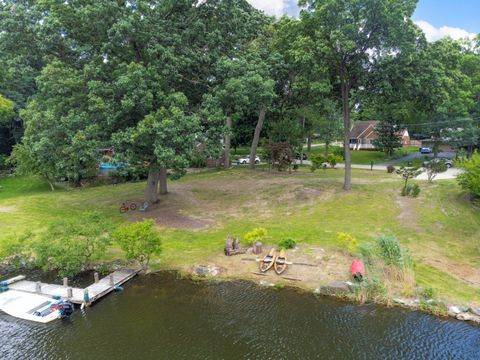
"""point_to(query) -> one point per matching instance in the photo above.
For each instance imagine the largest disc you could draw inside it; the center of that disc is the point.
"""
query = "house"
(363, 135)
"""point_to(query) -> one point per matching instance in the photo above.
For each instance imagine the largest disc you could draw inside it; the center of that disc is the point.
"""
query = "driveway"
(451, 173)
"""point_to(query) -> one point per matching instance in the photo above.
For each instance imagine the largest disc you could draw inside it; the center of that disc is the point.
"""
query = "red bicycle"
(128, 206)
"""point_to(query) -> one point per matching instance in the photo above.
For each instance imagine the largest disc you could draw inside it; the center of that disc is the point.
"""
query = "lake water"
(162, 317)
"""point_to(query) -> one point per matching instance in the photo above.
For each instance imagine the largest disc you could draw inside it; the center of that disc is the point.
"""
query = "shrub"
(411, 190)
(318, 161)
(258, 234)
(131, 173)
(408, 173)
(16, 251)
(198, 160)
(434, 168)
(469, 179)
(139, 241)
(338, 151)
(390, 169)
(389, 250)
(70, 247)
(333, 159)
(429, 293)
(348, 242)
(287, 244)
(415, 190)
(368, 253)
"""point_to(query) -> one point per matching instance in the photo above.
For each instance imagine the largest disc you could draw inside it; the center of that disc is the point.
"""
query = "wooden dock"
(87, 296)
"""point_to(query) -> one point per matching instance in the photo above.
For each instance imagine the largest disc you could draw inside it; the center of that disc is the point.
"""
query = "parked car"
(425, 150)
(448, 162)
(297, 156)
(246, 160)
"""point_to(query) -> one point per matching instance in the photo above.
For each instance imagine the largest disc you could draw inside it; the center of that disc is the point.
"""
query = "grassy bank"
(440, 229)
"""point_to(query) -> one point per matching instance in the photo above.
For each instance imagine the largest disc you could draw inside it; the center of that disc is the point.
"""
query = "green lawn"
(441, 229)
(366, 157)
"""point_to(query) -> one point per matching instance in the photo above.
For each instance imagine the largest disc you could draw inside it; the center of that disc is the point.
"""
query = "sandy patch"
(408, 216)
(7, 209)
(324, 266)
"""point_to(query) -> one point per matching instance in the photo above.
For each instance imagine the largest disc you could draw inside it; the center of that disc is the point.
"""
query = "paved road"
(449, 174)
(418, 155)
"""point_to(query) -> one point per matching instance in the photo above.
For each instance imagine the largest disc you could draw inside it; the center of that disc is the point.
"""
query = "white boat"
(33, 307)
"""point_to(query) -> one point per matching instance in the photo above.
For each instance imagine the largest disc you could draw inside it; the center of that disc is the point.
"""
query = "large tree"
(163, 140)
(350, 36)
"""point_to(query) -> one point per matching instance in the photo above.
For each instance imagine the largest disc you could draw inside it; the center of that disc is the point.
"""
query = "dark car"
(298, 156)
(425, 150)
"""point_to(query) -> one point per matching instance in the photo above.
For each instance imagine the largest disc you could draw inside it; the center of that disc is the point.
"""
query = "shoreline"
(437, 309)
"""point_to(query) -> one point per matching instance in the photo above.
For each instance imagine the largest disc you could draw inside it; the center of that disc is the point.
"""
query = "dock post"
(112, 280)
(86, 298)
(38, 287)
(65, 282)
(69, 292)
(95, 276)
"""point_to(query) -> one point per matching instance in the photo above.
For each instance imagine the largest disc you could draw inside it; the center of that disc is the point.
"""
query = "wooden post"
(228, 246)
(38, 287)
(95, 276)
(236, 244)
(257, 248)
(69, 292)
(65, 282)
(112, 281)
(86, 298)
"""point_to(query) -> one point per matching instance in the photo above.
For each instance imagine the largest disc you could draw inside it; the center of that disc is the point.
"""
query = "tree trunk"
(309, 142)
(228, 140)
(51, 184)
(303, 138)
(162, 178)
(327, 144)
(256, 137)
(150, 194)
(346, 139)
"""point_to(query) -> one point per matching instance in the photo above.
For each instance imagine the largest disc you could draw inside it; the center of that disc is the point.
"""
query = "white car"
(246, 160)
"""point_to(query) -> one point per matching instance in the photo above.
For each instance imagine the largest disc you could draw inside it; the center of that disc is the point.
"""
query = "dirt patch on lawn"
(172, 212)
(408, 216)
(179, 221)
(7, 209)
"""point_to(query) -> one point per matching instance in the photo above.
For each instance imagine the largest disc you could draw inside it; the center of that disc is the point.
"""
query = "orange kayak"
(281, 263)
(268, 261)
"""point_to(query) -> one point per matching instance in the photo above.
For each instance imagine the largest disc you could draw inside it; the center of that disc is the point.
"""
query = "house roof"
(362, 129)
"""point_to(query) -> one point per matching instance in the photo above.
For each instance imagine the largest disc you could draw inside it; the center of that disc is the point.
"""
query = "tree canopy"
(155, 79)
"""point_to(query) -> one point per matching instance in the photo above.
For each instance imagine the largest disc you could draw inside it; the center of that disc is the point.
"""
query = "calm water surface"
(161, 317)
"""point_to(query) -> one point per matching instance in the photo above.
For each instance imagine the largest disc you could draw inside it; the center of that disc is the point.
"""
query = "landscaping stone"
(475, 311)
(204, 271)
(337, 288)
(407, 302)
(266, 283)
(453, 311)
(465, 316)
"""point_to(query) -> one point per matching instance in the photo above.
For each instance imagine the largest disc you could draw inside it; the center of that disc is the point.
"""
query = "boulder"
(475, 311)
(466, 316)
(337, 288)
(266, 283)
(407, 302)
(453, 311)
(204, 271)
